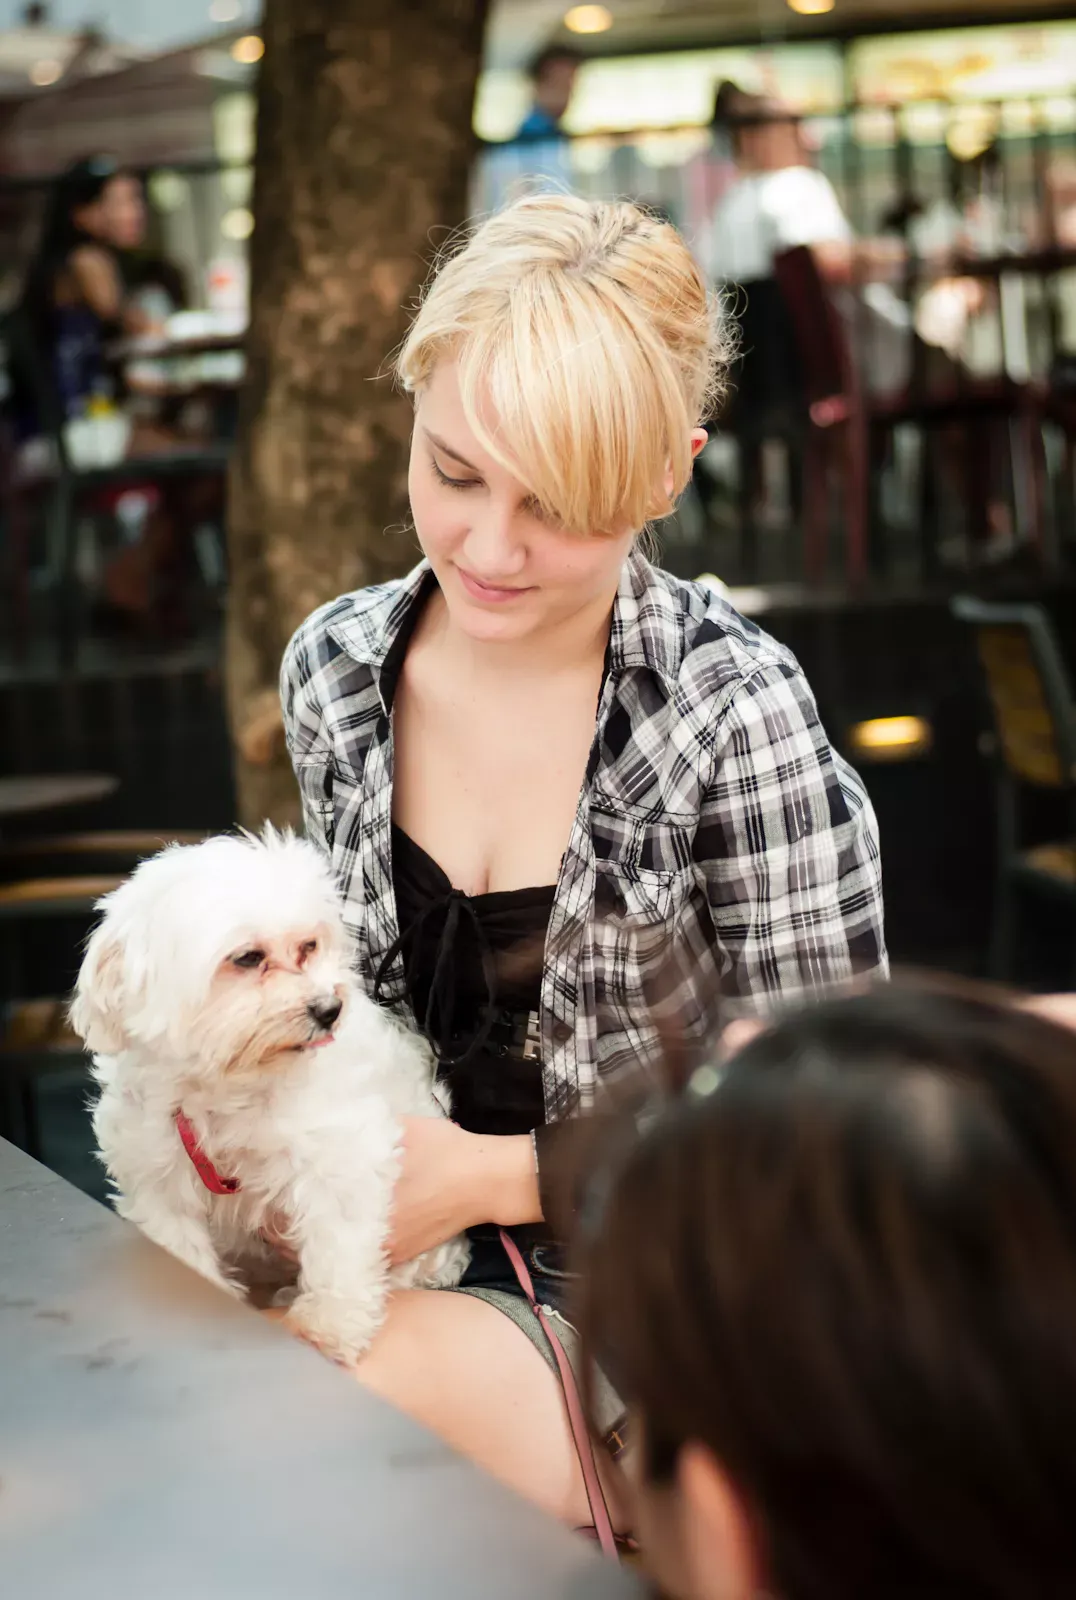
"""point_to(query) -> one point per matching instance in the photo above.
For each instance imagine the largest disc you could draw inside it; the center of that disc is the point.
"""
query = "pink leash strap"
(584, 1448)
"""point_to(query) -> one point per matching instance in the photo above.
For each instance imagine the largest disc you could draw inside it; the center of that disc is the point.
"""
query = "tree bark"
(363, 153)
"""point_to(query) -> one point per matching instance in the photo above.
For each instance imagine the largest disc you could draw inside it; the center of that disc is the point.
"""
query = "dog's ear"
(97, 1009)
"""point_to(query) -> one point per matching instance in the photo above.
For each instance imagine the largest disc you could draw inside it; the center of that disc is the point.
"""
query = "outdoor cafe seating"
(76, 473)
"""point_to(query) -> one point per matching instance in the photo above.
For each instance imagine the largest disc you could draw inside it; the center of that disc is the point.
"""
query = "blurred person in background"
(74, 299)
(836, 1284)
(552, 73)
(538, 156)
(778, 201)
(79, 297)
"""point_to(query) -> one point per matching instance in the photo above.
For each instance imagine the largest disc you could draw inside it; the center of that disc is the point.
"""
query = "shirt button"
(562, 1032)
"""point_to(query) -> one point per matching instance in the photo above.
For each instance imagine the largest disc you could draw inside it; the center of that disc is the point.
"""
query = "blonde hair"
(583, 330)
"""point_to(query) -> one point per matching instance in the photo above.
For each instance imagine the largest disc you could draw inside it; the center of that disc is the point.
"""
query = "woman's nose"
(492, 549)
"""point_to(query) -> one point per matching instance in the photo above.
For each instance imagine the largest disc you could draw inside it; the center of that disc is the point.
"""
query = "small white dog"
(244, 1077)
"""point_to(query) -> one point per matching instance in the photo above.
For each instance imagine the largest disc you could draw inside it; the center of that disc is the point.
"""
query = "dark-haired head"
(763, 132)
(729, 102)
(95, 201)
(836, 1282)
(552, 56)
(552, 73)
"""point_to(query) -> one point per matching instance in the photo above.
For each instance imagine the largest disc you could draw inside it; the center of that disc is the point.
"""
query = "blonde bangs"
(561, 394)
(587, 350)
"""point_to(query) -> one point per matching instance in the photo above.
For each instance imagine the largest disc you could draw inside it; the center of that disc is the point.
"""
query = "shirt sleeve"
(803, 208)
(556, 1191)
(308, 744)
(788, 843)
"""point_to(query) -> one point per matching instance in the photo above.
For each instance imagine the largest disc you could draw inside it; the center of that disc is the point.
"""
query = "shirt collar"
(646, 630)
(647, 624)
(378, 635)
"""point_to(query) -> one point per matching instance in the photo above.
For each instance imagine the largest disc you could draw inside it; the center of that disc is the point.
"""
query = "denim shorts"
(490, 1277)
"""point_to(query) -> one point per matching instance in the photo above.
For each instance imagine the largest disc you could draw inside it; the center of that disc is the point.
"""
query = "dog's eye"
(308, 948)
(249, 959)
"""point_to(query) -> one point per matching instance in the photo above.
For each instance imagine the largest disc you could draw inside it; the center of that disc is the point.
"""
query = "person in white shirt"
(778, 202)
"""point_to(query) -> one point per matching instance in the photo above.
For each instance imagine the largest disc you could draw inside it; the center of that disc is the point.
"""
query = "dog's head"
(230, 955)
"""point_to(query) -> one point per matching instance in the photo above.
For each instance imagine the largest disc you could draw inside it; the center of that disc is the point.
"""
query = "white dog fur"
(209, 987)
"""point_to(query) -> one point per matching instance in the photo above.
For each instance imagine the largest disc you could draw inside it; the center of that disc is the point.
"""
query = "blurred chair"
(765, 401)
(1060, 409)
(34, 1038)
(1034, 714)
(851, 427)
(36, 1043)
(57, 878)
(98, 852)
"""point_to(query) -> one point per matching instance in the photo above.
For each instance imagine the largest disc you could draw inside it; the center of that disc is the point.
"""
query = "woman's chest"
(608, 808)
(491, 785)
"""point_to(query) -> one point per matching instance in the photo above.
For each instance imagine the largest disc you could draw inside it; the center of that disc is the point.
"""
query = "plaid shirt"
(718, 837)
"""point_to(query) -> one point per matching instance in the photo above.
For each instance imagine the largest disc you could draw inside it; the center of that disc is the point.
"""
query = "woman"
(75, 304)
(866, 1387)
(553, 780)
(74, 299)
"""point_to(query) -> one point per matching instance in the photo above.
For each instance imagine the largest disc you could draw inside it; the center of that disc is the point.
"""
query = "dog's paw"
(444, 1267)
(339, 1331)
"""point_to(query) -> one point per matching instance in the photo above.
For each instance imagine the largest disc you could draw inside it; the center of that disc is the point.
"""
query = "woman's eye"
(249, 959)
(452, 483)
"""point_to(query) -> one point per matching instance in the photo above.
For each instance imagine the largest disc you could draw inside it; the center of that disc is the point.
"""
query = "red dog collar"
(202, 1164)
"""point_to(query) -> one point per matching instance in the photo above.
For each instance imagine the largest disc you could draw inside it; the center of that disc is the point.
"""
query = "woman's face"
(506, 574)
(118, 215)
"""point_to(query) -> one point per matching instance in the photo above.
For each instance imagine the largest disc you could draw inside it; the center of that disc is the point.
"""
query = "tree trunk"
(363, 152)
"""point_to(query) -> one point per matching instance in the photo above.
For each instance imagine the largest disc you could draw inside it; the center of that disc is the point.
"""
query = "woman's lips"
(491, 593)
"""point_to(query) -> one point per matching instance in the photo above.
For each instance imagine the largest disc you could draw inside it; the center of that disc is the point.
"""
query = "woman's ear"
(719, 1546)
(698, 439)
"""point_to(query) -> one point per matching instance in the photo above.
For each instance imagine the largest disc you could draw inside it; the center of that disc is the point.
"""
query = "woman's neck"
(575, 644)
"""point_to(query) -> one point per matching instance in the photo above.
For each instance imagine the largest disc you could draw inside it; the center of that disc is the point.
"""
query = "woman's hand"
(1056, 1007)
(451, 1180)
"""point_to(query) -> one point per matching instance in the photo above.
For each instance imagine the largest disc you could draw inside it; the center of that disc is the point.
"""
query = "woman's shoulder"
(93, 267)
(697, 639)
(358, 624)
(332, 658)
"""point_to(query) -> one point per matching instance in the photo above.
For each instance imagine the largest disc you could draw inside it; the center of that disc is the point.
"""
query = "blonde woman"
(537, 742)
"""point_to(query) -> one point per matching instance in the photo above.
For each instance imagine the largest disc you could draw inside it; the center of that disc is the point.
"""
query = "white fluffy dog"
(244, 1077)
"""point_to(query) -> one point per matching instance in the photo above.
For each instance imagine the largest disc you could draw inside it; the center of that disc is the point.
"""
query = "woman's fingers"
(740, 1033)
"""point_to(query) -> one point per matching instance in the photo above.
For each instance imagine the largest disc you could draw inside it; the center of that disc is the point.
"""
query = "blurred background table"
(157, 1438)
(30, 795)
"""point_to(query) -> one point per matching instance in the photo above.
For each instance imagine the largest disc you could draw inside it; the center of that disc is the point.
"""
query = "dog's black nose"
(325, 1012)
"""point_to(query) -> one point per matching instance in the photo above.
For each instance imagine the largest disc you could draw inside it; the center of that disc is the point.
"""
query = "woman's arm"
(451, 1180)
(789, 846)
(309, 747)
(101, 288)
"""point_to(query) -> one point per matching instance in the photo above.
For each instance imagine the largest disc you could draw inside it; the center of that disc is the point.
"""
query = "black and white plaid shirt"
(717, 836)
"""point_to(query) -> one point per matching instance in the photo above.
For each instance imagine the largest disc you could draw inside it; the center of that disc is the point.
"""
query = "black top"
(473, 966)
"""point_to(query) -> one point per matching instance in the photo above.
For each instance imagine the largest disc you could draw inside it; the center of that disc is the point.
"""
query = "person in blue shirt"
(552, 73)
(538, 156)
